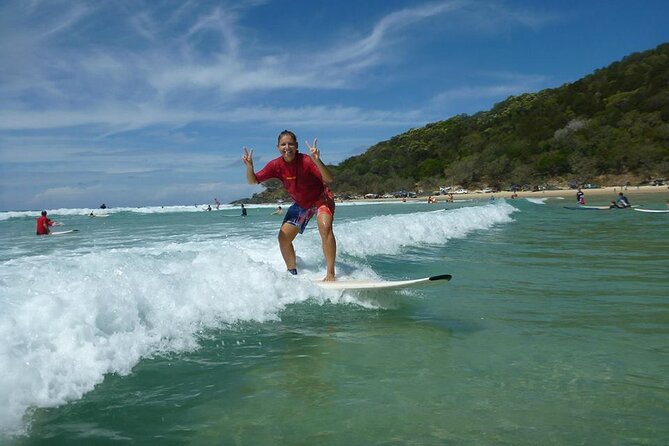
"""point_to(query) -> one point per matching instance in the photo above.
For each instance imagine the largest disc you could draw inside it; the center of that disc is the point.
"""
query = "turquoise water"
(178, 326)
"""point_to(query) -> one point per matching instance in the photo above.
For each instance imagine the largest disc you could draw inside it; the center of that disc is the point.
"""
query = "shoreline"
(610, 192)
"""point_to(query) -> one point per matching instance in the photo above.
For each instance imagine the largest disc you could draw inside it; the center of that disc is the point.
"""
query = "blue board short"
(299, 216)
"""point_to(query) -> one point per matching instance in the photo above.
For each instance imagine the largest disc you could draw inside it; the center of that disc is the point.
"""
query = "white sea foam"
(6, 215)
(390, 234)
(67, 325)
(138, 210)
(70, 317)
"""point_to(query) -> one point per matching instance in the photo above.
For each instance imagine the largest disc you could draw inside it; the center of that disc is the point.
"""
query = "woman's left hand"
(315, 153)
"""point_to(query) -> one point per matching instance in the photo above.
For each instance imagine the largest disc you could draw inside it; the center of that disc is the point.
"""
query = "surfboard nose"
(441, 277)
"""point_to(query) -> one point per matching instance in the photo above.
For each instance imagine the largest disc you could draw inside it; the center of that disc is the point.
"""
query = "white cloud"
(58, 193)
(470, 92)
(121, 119)
(66, 21)
(170, 81)
(501, 86)
(210, 187)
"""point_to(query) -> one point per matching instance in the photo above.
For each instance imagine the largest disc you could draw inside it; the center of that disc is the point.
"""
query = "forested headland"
(608, 127)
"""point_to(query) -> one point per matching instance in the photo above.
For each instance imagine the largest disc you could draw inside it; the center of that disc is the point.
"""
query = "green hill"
(608, 127)
(613, 123)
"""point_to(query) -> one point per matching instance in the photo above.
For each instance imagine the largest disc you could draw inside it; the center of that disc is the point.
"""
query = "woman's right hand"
(247, 158)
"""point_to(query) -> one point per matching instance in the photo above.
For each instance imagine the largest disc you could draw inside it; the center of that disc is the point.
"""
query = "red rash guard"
(43, 221)
(300, 177)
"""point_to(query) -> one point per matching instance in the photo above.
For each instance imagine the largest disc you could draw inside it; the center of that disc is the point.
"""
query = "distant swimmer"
(623, 202)
(580, 196)
(218, 203)
(43, 224)
(243, 211)
(279, 211)
(305, 178)
(103, 206)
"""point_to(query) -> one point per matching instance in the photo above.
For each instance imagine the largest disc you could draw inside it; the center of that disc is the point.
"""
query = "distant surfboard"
(656, 211)
(70, 231)
(587, 208)
(596, 208)
(384, 284)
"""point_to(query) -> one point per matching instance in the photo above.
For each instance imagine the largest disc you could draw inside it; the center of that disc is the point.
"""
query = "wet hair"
(287, 132)
(43, 212)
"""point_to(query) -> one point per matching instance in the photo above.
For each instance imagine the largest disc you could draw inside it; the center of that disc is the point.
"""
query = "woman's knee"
(325, 229)
(287, 233)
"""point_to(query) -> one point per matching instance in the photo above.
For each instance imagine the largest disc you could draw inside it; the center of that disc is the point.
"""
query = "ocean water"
(176, 326)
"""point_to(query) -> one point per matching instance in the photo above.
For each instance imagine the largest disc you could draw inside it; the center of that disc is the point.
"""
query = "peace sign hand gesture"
(316, 157)
(247, 158)
(315, 153)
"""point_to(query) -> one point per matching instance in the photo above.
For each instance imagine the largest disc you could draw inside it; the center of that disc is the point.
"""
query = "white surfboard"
(384, 284)
(597, 208)
(63, 232)
(587, 208)
(657, 211)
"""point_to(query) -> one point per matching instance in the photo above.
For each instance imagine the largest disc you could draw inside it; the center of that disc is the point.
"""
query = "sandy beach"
(599, 195)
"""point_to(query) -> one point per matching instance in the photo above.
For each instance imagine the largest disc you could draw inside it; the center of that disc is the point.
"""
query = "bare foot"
(329, 278)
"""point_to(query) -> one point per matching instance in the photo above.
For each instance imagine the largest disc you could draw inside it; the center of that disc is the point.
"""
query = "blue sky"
(137, 103)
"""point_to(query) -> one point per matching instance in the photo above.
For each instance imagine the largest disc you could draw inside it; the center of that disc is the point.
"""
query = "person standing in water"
(305, 178)
(43, 224)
